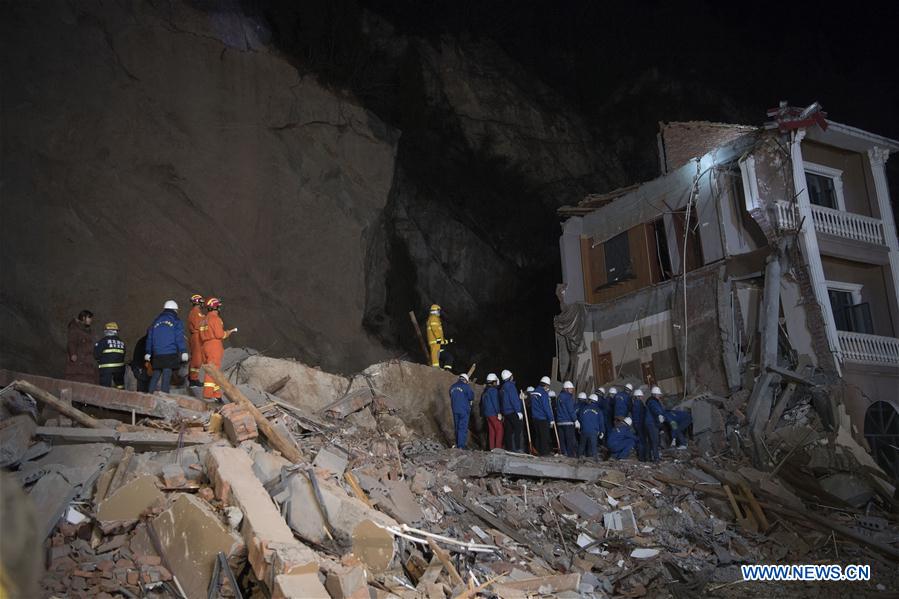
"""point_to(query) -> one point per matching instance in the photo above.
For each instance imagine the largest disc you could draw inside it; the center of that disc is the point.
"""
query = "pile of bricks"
(238, 423)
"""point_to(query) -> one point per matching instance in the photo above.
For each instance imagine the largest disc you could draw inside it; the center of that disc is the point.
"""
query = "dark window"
(643, 342)
(821, 191)
(662, 256)
(850, 317)
(618, 259)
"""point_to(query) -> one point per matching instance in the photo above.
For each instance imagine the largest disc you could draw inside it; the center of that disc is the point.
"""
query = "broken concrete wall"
(572, 267)
(310, 388)
(681, 141)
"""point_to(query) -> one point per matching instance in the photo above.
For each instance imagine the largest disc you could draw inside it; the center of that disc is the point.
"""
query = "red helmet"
(196, 299)
(213, 303)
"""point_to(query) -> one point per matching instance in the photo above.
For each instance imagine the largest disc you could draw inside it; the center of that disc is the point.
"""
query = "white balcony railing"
(834, 222)
(848, 225)
(872, 349)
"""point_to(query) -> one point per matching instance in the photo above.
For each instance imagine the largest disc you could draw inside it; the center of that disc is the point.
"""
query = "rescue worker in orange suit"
(110, 355)
(194, 319)
(436, 340)
(212, 334)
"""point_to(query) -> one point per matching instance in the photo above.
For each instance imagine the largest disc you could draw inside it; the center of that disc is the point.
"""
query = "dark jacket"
(461, 396)
(540, 407)
(110, 353)
(566, 413)
(490, 401)
(80, 343)
(166, 335)
(591, 419)
(509, 399)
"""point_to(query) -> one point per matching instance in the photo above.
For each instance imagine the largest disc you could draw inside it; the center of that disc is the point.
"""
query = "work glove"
(577, 425)
(552, 423)
(673, 425)
(185, 357)
(499, 417)
(146, 357)
(628, 421)
(602, 435)
(520, 416)
(661, 419)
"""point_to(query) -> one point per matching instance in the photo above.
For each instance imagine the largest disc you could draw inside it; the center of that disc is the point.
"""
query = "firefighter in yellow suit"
(435, 335)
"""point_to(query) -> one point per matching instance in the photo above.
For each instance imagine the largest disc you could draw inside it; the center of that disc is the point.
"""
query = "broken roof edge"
(854, 132)
(747, 128)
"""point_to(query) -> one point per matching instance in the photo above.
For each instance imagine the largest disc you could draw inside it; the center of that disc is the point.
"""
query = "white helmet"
(656, 391)
(612, 390)
(491, 378)
(552, 393)
(602, 390)
(638, 393)
(506, 375)
(170, 305)
(582, 395)
(594, 397)
(629, 387)
(464, 377)
(545, 381)
(529, 390)
(568, 385)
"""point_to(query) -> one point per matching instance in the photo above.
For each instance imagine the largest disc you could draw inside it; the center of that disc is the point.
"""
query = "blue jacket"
(490, 401)
(680, 418)
(509, 399)
(566, 413)
(591, 419)
(166, 335)
(540, 406)
(622, 405)
(461, 395)
(621, 440)
(638, 410)
(654, 408)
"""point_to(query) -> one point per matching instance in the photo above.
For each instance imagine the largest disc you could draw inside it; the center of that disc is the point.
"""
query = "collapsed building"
(787, 237)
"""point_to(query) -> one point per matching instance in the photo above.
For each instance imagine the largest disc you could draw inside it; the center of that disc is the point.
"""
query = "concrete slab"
(191, 536)
(51, 495)
(373, 546)
(850, 488)
(581, 504)
(130, 500)
(15, 437)
(484, 464)
(299, 586)
(332, 460)
(231, 471)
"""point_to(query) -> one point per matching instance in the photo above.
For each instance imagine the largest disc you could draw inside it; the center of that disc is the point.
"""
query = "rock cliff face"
(151, 152)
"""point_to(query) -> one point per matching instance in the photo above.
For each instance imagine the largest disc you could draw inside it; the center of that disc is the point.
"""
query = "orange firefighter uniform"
(212, 333)
(194, 321)
(435, 335)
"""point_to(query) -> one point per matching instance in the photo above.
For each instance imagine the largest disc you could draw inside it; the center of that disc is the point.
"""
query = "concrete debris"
(349, 403)
(238, 423)
(190, 537)
(154, 516)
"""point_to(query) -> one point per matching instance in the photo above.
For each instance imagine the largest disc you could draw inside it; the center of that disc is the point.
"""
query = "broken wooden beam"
(421, 339)
(544, 585)
(277, 441)
(62, 407)
(142, 440)
(277, 385)
(444, 558)
(791, 376)
(157, 405)
(826, 523)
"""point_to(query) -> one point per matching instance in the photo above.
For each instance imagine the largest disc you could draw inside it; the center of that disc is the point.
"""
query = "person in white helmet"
(513, 413)
(492, 411)
(566, 416)
(591, 427)
(542, 413)
(654, 419)
(638, 413)
(166, 346)
(461, 397)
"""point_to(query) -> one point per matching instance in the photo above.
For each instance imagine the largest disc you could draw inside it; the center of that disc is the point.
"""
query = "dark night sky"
(754, 53)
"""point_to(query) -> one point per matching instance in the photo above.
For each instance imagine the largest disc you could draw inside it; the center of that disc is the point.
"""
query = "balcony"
(846, 225)
(869, 349)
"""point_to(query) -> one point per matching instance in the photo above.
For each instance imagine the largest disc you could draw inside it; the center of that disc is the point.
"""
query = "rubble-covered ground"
(345, 487)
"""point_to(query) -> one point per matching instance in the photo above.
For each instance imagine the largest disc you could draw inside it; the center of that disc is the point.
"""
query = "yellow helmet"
(435, 309)
(111, 326)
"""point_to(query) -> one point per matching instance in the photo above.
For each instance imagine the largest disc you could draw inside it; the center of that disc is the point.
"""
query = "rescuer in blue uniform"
(638, 413)
(605, 405)
(166, 346)
(542, 413)
(513, 413)
(590, 423)
(652, 421)
(110, 355)
(461, 396)
(566, 416)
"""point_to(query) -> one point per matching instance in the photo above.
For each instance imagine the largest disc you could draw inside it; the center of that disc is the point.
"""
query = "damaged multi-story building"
(758, 251)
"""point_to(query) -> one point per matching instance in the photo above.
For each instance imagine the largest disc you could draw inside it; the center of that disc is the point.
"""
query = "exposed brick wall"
(683, 141)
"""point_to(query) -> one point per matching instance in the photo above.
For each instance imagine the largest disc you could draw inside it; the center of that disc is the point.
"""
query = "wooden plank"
(557, 583)
(277, 385)
(120, 471)
(53, 402)
(779, 407)
(357, 489)
(444, 558)
(285, 446)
